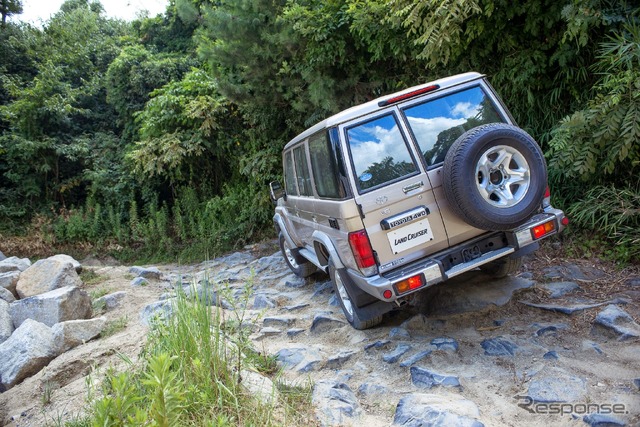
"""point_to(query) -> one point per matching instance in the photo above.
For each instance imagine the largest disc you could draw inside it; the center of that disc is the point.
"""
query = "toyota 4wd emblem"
(381, 200)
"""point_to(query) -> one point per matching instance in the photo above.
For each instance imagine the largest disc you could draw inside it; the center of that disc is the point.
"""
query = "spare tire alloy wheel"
(495, 177)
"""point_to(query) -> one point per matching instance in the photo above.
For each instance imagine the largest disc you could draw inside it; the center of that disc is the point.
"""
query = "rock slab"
(615, 319)
(59, 305)
(420, 410)
(6, 324)
(30, 348)
(72, 333)
(46, 275)
(336, 404)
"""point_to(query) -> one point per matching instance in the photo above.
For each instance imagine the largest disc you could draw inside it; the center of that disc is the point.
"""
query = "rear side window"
(437, 123)
(302, 171)
(324, 166)
(379, 152)
(289, 175)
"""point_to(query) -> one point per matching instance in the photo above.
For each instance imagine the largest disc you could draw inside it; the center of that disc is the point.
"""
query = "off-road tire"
(300, 266)
(341, 286)
(502, 267)
(495, 177)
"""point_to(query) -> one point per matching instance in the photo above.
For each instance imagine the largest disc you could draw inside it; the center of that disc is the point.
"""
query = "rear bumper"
(467, 256)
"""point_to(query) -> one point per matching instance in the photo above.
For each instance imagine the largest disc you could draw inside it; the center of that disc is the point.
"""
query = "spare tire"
(495, 176)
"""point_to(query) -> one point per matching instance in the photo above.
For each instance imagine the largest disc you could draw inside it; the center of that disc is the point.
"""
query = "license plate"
(410, 236)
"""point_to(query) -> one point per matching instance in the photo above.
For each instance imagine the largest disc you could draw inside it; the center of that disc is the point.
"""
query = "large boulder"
(6, 324)
(9, 280)
(30, 348)
(72, 333)
(59, 305)
(14, 264)
(70, 260)
(46, 275)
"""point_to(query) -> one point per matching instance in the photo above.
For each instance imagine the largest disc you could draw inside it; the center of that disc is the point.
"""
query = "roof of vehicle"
(368, 107)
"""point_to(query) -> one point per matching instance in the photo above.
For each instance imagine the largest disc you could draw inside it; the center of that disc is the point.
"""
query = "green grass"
(189, 375)
(114, 326)
(90, 277)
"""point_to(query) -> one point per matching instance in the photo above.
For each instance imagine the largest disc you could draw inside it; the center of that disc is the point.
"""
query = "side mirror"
(276, 191)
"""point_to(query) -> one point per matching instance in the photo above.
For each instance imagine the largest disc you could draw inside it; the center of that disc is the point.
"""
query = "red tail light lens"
(361, 248)
(543, 229)
(547, 193)
(413, 282)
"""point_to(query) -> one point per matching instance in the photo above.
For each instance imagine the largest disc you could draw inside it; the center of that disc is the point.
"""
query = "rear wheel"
(355, 316)
(502, 267)
(300, 266)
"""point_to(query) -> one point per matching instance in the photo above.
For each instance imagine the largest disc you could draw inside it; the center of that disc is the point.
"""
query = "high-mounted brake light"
(361, 248)
(407, 95)
(542, 230)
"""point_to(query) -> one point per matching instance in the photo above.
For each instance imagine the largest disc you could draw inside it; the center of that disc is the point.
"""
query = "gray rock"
(600, 420)
(110, 301)
(543, 330)
(498, 346)
(557, 386)
(445, 344)
(295, 282)
(636, 382)
(550, 355)
(6, 295)
(262, 301)
(424, 378)
(418, 322)
(568, 308)
(9, 280)
(337, 360)
(14, 264)
(30, 348)
(70, 260)
(369, 389)
(294, 332)
(159, 311)
(398, 334)
(279, 321)
(335, 403)
(393, 356)
(46, 275)
(590, 345)
(325, 323)
(68, 303)
(412, 360)
(236, 259)
(270, 331)
(72, 333)
(139, 281)
(322, 289)
(430, 410)
(618, 321)
(295, 307)
(6, 324)
(2, 257)
(268, 263)
(259, 387)
(146, 272)
(301, 359)
(634, 281)
(333, 301)
(376, 345)
(559, 289)
(471, 293)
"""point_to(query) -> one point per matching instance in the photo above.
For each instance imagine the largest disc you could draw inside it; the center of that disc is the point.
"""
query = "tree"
(9, 8)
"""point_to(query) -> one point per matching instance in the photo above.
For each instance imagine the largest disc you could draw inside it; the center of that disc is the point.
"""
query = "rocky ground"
(554, 345)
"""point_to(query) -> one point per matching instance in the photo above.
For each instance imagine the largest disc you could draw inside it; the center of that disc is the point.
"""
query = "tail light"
(410, 284)
(542, 230)
(361, 248)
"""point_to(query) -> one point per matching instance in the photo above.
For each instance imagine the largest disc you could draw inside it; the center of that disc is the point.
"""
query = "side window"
(436, 124)
(379, 152)
(302, 171)
(324, 167)
(289, 175)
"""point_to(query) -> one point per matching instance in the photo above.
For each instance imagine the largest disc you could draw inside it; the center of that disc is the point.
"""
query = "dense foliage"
(162, 133)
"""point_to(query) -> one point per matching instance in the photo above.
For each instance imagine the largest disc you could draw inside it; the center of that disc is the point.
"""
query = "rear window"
(379, 152)
(437, 123)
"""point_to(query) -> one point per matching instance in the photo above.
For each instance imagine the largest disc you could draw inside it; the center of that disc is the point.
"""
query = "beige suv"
(406, 191)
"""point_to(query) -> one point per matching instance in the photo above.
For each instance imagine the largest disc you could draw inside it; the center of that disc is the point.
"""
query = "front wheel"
(299, 267)
(354, 315)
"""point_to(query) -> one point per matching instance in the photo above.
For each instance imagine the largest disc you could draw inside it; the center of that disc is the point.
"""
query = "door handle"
(412, 187)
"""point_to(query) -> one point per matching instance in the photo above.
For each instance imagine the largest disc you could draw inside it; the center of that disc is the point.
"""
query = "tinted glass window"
(302, 171)
(289, 175)
(379, 152)
(323, 166)
(436, 124)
